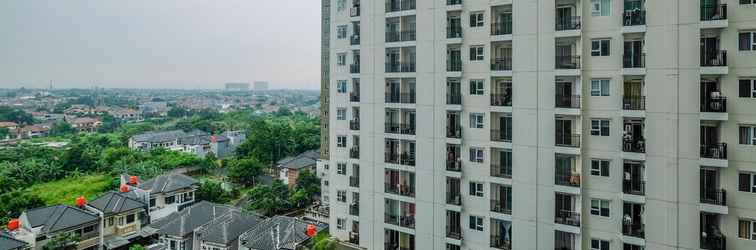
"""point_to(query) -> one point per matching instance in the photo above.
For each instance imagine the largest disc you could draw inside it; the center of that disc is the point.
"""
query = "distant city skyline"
(171, 44)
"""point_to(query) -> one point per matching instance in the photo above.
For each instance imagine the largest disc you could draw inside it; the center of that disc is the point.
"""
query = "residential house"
(222, 233)
(39, 226)
(125, 114)
(279, 233)
(9, 125)
(290, 167)
(124, 215)
(168, 194)
(194, 142)
(32, 131)
(176, 231)
(152, 140)
(85, 124)
(153, 109)
(9, 242)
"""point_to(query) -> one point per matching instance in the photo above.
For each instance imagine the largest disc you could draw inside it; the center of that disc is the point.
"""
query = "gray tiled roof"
(292, 233)
(59, 217)
(184, 222)
(7, 242)
(306, 159)
(227, 228)
(194, 140)
(167, 183)
(163, 136)
(115, 203)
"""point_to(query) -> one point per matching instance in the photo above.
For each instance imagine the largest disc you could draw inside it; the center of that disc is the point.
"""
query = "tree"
(245, 171)
(61, 128)
(137, 247)
(15, 115)
(322, 241)
(62, 241)
(307, 181)
(269, 199)
(14, 202)
(212, 191)
(4, 132)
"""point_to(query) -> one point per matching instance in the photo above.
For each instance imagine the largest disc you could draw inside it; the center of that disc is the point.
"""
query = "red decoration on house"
(81, 201)
(310, 230)
(124, 188)
(133, 180)
(12, 224)
(213, 139)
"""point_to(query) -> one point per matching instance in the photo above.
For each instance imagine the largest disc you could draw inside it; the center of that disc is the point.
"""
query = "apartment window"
(600, 127)
(747, 40)
(341, 168)
(747, 182)
(476, 120)
(476, 223)
(597, 244)
(600, 7)
(600, 47)
(747, 88)
(476, 87)
(747, 229)
(600, 167)
(341, 32)
(476, 53)
(341, 141)
(340, 223)
(341, 59)
(341, 196)
(340, 114)
(599, 87)
(341, 86)
(476, 19)
(600, 207)
(747, 135)
(476, 189)
(340, 5)
(476, 155)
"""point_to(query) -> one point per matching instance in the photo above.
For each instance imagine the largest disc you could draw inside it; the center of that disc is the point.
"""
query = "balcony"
(501, 64)
(354, 237)
(567, 101)
(713, 242)
(632, 230)
(354, 125)
(502, 28)
(454, 65)
(633, 61)
(454, 98)
(454, 132)
(354, 181)
(633, 102)
(401, 97)
(714, 196)
(354, 209)
(634, 186)
(566, 217)
(453, 196)
(399, 5)
(714, 151)
(399, 128)
(632, 224)
(501, 135)
(354, 153)
(400, 36)
(632, 144)
(716, 104)
(714, 58)
(500, 242)
(567, 23)
(634, 17)
(714, 12)
(567, 179)
(567, 140)
(354, 97)
(453, 31)
(354, 39)
(500, 206)
(454, 233)
(354, 68)
(399, 67)
(453, 2)
(501, 170)
(567, 62)
(399, 189)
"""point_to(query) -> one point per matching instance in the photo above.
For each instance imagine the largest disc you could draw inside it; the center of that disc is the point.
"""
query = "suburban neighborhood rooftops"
(185, 221)
(227, 228)
(7, 241)
(115, 203)
(168, 183)
(59, 217)
(194, 140)
(163, 136)
(306, 159)
(291, 233)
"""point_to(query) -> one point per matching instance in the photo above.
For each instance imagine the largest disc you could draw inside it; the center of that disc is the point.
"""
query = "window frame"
(341, 141)
(750, 137)
(341, 59)
(601, 167)
(600, 244)
(750, 230)
(477, 87)
(476, 223)
(477, 53)
(476, 189)
(341, 114)
(341, 86)
(477, 19)
(600, 87)
(603, 206)
(340, 5)
(477, 120)
(341, 168)
(340, 223)
(599, 12)
(751, 36)
(600, 127)
(599, 51)
(477, 155)
(341, 196)
(751, 182)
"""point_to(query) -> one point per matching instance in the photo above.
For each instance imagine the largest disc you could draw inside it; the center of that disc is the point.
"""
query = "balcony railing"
(397, 5)
(567, 23)
(354, 97)
(633, 102)
(634, 17)
(403, 190)
(567, 62)
(714, 104)
(354, 124)
(454, 65)
(499, 206)
(714, 151)
(501, 170)
(714, 196)
(454, 233)
(354, 238)
(399, 128)
(568, 179)
(401, 97)
(714, 12)
(501, 28)
(499, 135)
(632, 145)
(454, 132)
(567, 140)
(354, 40)
(354, 153)
(632, 231)
(354, 181)
(454, 199)
(713, 242)
(567, 101)
(354, 68)
(406, 159)
(501, 100)
(454, 99)
(714, 58)
(453, 2)
(634, 186)
(634, 61)
(400, 67)
(454, 165)
(391, 157)
(354, 209)
(500, 242)
(400, 36)
(454, 31)
(501, 64)
(566, 217)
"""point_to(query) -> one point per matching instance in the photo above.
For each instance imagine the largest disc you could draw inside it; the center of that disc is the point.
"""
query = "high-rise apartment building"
(542, 124)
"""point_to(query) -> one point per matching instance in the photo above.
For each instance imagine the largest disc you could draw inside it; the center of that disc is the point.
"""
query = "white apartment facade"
(541, 124)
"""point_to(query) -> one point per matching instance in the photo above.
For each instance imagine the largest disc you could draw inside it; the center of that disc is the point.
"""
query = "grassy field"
(66, 190)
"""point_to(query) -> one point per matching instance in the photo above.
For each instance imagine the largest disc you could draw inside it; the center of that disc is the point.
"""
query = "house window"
(476, 189)
(340, 223)
(747, 135)
(152, 202)
(340, 114)
(341, 59)
(88, 229)
(747, 40)
(597, 244)
(476, 19)
(170, 200)
(476, 223)
(130, 218)
(476, 120)
(476, 53)
(341, 86)
(341, 32)
(600, 127)
(341, 141)
(600, 167)
(341, 168)
(476, 87)
(747, 182)
(747, 229)
(600, 87)
(747, 88)
(111, 220)
(600, 7)
(600, 207)
(600, 47)
(476, 155)
(341, 196)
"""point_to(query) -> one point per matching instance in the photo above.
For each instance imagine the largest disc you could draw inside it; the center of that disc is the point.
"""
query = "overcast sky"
(159, 43)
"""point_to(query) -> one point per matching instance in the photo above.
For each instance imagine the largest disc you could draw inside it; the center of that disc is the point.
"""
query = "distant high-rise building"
(540, 124)
(237, 86)
(261, 86)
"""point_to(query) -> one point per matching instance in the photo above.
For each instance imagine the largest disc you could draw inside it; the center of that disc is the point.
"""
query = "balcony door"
(409, 119)
(709, 50)
(633, 51)
(633, 88)
(635, 129)
(709, 183)
(452, 121)
(454, 22)
(564, 51)
(709, 135)
(392, 89)
(564, 204)
(392, 56)
(563, 15)
(564, 132)
(564, 89)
